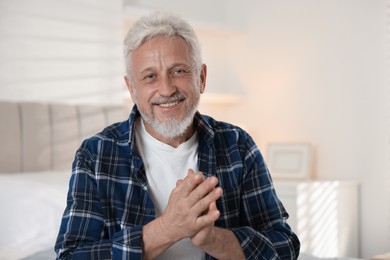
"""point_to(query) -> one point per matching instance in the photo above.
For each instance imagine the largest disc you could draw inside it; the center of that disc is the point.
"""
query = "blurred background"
(297, 71)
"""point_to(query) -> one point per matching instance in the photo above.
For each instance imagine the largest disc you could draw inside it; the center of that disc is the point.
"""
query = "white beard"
(173, 127)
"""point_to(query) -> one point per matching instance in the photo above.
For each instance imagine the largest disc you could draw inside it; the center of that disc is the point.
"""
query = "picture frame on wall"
(289, 161)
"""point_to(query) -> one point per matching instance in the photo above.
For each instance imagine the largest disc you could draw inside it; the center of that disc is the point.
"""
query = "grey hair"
(161, 25)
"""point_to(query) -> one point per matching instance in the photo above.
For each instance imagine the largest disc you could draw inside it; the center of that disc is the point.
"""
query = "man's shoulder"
(117, 133)
(224, 130)
(222, 126)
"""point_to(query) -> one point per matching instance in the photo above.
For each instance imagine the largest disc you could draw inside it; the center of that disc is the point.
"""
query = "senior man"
(170, 183)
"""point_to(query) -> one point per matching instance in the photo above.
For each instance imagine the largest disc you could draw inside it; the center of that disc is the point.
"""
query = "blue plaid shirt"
(108, 201)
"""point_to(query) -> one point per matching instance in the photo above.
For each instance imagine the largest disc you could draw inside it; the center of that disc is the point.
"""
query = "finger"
(190, 182)
(178, 182)
(202, 190)
(208, 219)
(213, 206)
(205, 204)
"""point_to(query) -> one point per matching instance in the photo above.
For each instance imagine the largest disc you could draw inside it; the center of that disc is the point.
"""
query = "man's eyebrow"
(182, 64)
(185, 65)
(146, 70)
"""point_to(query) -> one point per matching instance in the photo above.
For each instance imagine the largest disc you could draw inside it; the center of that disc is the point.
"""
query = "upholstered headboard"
(45, 136)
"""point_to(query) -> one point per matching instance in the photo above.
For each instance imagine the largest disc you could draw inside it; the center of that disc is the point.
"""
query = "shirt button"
(148, 211)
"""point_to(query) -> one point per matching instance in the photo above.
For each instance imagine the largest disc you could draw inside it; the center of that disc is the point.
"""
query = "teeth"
(169, 104)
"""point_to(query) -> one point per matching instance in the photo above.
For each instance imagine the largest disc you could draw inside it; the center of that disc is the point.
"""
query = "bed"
(38, 142)
(32, 204)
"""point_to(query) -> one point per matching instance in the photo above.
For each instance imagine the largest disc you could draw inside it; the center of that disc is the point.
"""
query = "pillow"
(31, 209)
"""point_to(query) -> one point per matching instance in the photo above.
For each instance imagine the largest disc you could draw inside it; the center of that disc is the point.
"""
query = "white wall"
(55, 50)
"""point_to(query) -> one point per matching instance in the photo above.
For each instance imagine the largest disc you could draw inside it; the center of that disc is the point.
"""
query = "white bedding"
(31, 208)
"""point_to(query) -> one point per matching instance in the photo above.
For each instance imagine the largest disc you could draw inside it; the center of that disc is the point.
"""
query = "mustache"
(161, 100)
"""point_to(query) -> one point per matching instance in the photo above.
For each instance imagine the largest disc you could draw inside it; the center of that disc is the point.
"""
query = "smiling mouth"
(170, 104)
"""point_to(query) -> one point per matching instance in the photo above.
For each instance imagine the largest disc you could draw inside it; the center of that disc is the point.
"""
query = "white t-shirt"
(164, 165)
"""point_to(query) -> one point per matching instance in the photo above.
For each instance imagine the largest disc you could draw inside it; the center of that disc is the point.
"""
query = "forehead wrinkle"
(156, 59)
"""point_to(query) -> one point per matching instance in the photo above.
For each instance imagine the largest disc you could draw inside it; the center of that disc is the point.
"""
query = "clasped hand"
(191, 210)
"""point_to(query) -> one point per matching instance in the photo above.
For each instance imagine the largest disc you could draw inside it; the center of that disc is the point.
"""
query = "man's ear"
(203, 75)
(130, 87)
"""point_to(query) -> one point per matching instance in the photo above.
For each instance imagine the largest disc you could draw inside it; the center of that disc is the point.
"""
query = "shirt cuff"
(127, 244)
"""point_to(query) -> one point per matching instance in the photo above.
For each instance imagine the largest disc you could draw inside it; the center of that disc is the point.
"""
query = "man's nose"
(167, 87)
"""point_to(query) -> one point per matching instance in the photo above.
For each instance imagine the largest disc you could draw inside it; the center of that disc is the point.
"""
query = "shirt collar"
(205, 131)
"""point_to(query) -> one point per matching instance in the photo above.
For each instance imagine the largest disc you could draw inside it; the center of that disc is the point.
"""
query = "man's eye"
(180, 71)
(150, 76)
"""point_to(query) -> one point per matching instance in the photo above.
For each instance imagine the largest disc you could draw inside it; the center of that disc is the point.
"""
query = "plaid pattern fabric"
(108, 201)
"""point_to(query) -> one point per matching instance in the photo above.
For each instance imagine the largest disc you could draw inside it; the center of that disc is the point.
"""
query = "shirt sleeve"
(263, 233)
(82, 232)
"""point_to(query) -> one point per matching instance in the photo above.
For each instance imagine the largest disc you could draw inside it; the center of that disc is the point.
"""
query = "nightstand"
(324, 215)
